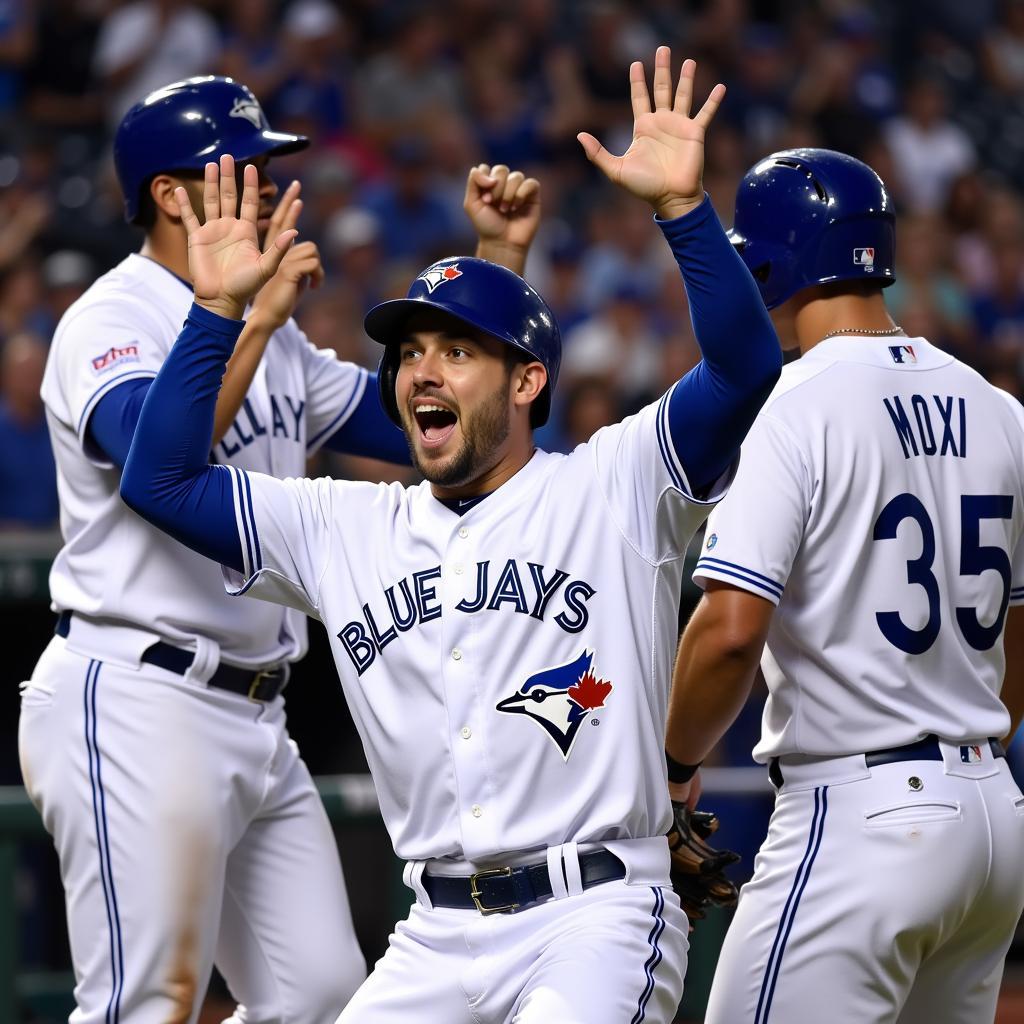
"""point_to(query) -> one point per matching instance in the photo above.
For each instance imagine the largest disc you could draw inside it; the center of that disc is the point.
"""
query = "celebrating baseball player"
(153, 733)
(872, 537)
(504, 632)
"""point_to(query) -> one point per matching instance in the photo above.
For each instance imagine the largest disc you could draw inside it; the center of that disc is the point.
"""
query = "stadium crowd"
(401, 98)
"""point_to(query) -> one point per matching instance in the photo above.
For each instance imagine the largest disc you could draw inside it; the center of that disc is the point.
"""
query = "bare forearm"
(714, 671)
(239, 375)
(511, 256)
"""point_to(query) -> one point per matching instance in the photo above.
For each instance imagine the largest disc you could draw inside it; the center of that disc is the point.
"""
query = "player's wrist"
(230, 309)
(510, 255)
(674, 207)
(678, 772)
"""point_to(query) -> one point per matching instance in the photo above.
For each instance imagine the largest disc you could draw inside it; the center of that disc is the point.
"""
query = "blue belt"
(927, 749)
(260, 684)
(503, 890)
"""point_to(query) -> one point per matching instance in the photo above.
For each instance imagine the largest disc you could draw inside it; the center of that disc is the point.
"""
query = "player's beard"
(483, 432)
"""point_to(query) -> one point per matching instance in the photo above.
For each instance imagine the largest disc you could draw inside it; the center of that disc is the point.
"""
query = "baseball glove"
(697, 869)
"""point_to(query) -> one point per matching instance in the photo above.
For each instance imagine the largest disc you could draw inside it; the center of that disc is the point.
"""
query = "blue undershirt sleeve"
(714, 405)
(112, 424)
(167, 478)
(369, 432)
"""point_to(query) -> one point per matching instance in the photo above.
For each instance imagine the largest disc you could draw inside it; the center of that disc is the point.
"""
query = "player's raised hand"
(503, 205)
(224, 256)
(665, 161)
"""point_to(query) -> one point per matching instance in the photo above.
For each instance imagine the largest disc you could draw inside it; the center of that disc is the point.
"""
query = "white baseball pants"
(189, 832)
(886, 895)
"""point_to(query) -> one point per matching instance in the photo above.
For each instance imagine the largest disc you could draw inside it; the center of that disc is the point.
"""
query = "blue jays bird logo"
(439, 275)
(249, 109)
(560, 699)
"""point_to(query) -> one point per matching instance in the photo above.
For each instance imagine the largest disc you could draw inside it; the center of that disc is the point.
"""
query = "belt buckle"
(257, 679)
(475, 894)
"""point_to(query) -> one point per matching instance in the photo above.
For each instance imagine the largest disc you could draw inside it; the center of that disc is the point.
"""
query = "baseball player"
(872, 538)
(153, 734)
(504, 631)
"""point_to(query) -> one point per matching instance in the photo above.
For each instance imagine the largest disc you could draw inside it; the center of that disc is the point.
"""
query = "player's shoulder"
(135, 290)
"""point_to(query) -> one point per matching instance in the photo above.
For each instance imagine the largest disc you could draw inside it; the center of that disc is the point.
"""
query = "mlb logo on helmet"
(864, 258)
(902, 353)
(560, 699)
(970, 753)
(439, 275)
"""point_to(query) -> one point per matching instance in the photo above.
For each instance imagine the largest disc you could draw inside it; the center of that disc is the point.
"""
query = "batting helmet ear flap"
(387, 375)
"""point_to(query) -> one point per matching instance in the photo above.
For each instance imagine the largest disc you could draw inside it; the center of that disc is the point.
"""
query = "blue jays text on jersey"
(416, 601)
(931, 427)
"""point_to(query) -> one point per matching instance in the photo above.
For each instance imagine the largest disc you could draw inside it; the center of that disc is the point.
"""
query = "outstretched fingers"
(287, 213)
(638, 89)
(270, 260)
(211, 192)
(228, 188)
(711, 104)
(188, 215)
(684, 91)
(599, 156)
(250, 209)
(663, 78)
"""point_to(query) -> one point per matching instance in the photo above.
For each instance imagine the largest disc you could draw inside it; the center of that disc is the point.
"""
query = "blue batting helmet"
(812, 216)
(186, 124)
(483, 295)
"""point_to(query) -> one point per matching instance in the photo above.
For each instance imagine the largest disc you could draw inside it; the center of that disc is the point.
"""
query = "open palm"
(224, 256)
(665, 161)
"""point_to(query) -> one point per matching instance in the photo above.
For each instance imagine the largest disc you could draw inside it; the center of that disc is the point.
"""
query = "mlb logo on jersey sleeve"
(864, 258)
(115, 356)
(560, 699)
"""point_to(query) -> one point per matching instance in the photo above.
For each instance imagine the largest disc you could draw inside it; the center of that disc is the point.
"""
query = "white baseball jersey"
(508, 669)
(880, 505)
(113, 564)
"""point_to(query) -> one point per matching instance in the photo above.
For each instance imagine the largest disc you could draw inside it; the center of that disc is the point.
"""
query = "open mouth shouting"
(435, 423)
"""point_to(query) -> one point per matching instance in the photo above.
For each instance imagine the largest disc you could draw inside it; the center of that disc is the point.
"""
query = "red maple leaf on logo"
(589, 692)
(450, 273)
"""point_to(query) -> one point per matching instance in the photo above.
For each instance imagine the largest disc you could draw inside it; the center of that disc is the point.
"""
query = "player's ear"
(161, 191)
(528, 380)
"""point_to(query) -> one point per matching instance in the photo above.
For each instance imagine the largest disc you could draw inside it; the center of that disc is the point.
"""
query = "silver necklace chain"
(888, 332)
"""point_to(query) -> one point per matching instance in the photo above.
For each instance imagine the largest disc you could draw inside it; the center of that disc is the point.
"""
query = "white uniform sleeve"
(284, 528)
(753, 537)
(97, 349)
(333, 390)
(645, 486)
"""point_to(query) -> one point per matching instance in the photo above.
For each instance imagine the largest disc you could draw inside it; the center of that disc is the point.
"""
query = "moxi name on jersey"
(938, 427)
(413, 600)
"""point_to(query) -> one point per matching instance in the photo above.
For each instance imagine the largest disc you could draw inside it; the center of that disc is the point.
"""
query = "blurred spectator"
(17, 40)
(148, 44)
(21, 300)
(251, 51)
(999, 309)
(28, 477)
(1003, 50)
(66, 275)
(924, 279)
(589, 403)
(62, 93)
(24, 214)
(929, 151)
(351, 250)
(414, 219)
(619, 345)
(410, 83)
(759, 102)
(313, 98)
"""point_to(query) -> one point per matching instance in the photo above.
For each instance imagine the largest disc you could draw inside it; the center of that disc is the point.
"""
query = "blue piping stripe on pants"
(654, 959)
(99, 810)
(803, 873)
